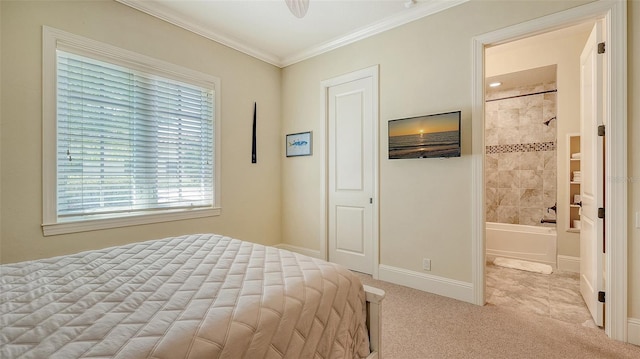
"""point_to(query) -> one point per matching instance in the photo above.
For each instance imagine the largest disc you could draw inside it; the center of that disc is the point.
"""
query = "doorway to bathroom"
(615, 273)
(532, 105)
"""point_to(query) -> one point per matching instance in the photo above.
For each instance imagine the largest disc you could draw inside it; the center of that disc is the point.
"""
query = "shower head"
(546, 123)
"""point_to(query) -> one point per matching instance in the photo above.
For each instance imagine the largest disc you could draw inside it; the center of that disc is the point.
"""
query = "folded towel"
(577, 176)
(575, 155)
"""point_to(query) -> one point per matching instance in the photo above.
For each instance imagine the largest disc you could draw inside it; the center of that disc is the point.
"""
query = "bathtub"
(530, 243)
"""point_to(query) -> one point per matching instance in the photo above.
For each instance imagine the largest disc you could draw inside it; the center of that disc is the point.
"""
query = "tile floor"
(555, 295)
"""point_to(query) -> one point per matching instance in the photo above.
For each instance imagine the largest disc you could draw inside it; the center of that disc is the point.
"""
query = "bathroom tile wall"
(520, 167)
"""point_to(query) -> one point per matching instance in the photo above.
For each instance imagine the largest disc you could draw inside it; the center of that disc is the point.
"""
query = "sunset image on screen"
(425, 136)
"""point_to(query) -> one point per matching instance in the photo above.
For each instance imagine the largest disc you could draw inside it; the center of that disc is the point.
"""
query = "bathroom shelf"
(573, 164)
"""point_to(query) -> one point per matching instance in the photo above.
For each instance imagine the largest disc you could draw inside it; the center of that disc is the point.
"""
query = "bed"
(193, 296)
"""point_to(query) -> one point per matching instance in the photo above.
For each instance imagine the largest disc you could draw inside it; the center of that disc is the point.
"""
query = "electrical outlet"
(426, 264)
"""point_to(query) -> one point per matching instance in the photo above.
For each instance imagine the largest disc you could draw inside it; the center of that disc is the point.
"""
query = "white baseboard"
(633, 331)
(306, 251)
(569, 264)
(426, 282)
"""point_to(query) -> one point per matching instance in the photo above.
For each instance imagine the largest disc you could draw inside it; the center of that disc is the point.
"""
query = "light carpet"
(420, 325)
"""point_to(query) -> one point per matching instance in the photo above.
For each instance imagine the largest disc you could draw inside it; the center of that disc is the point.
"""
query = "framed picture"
(299, 144)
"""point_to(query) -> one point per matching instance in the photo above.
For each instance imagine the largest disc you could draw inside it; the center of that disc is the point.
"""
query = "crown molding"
(419, 10)
(150, 8)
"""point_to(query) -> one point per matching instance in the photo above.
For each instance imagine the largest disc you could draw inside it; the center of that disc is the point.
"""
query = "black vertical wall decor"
(254, 157)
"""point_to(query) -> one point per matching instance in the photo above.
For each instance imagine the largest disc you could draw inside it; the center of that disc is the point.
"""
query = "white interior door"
(351, 173)
(592, 168)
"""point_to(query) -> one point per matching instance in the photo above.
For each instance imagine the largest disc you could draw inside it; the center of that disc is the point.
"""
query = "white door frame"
(615, 15)
(324, 141)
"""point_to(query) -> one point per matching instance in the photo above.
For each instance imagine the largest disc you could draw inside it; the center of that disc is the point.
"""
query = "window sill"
(52, 229)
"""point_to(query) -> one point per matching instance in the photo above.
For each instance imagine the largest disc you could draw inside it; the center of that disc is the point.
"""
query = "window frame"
(53, 40)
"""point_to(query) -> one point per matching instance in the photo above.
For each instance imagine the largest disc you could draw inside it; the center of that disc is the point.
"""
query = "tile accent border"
(521, 147)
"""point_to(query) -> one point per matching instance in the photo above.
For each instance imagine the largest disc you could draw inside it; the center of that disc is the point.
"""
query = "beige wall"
(425, 67)
(633, 65)
(250, 192)
(562, 48)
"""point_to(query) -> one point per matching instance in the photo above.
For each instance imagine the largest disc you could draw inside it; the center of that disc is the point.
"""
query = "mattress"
(194, 296)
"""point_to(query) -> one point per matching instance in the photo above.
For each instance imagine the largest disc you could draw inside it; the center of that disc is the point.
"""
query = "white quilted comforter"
(195, 296)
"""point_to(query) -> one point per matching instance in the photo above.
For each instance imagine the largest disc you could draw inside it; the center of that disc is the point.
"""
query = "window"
(132, 139)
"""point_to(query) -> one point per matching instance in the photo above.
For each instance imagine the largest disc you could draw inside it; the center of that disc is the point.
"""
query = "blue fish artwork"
(298, 143)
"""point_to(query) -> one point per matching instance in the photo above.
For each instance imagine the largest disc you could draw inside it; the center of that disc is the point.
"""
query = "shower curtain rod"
(516, 96)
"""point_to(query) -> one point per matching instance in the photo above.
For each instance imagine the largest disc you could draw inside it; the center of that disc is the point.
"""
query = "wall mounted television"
(429, 136)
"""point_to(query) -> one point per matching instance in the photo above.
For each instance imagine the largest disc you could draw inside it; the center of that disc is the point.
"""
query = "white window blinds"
(129, 141)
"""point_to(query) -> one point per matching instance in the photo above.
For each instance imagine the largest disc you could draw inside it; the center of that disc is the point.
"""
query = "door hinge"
(601, 212)
(601, 130)
(601, 48)
(601, 297)
(371, 200)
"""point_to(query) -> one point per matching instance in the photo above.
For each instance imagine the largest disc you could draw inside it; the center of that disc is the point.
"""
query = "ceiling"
(530, 77)
(267, 30)
(535, 76)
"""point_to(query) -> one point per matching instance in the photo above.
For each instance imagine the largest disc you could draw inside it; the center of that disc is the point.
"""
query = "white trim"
(66, 41)
(49, 125)
(616, 173)
(633, 330)
(416, 12)
(53, 39)
(151, 8)
(615, 13)
(428, 283)
(52, 229)
(569, 264)
(323, 140)
(478, 225)
(304, 251)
